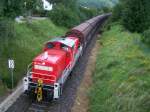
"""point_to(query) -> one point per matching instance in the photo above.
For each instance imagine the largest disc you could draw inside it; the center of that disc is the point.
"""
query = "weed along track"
(82, 99)
(38, 107)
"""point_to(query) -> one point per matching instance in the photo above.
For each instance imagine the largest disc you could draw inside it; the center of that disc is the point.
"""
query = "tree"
(117, 12)
(135, 15)
(133, 12)
(12, 8)
(63, 16)
(65, 13)
(32, 5)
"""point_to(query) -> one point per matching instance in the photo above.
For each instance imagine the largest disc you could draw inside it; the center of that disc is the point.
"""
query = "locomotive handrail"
(29, 67)
(44, 75)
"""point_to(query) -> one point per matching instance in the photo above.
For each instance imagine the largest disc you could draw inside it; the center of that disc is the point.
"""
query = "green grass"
(122, 76)
(28, 42)
(2, 90)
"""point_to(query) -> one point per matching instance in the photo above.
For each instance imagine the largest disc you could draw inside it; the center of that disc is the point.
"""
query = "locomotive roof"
(51, 56)
(67, 41)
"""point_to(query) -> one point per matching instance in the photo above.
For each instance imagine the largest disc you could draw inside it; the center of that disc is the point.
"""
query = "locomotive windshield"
(50, 45)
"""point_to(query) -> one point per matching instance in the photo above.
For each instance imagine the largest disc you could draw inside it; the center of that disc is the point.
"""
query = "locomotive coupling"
(39, 90)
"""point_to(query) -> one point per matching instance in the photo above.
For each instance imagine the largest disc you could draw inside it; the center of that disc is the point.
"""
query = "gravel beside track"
(65, 103)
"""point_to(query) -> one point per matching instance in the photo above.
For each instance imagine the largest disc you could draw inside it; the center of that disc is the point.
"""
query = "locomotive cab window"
(63, 46)
(50, 45)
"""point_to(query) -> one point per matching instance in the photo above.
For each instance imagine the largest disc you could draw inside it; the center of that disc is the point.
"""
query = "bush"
(69, 17)
(117, 12)
(6, 29)
(63, 16)
(146, 36)
(134, 15)
(12, 8)
(8, 82)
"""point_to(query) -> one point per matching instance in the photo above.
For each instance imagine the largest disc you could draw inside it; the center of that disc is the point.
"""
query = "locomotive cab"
(56, 57)
(63, 45)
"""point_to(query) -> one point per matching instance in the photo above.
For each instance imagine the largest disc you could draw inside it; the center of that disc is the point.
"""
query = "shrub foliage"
(68, 13)
(134, 15)
(146, 36)
(63, 16)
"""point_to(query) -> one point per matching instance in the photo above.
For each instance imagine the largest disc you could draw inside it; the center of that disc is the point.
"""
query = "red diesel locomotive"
(48, 71)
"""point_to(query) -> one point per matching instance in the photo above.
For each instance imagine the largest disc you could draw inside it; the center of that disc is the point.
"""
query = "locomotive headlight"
(25, 83)
(45, 68)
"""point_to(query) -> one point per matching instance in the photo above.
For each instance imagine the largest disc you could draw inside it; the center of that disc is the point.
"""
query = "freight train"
(48, 72)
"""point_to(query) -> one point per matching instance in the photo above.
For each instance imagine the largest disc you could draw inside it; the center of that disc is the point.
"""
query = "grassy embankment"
(26, 44)
(122, 76)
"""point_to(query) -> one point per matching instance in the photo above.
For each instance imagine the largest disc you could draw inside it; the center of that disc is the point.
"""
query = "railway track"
(65, 103)
(39, 107)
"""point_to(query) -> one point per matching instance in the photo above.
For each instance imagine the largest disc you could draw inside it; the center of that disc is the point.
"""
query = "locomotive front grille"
(45, 87)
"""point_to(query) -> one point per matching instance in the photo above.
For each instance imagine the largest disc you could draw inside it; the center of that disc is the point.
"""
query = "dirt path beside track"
(82, 101)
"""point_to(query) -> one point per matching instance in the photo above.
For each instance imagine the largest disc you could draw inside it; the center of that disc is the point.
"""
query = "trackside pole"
(11, 66)
(12, 78)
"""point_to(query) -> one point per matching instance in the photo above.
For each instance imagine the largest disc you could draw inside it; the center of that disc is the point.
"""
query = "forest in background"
(98, 3)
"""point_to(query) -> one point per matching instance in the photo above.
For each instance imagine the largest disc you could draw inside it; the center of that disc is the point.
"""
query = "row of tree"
(65, 12)
(13, 8)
